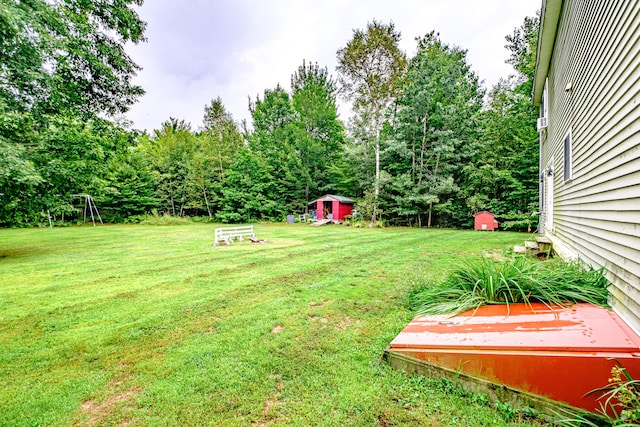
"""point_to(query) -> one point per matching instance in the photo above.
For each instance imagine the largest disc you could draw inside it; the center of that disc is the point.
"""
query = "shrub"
(165, 219)
(524, 222)
(516, 280)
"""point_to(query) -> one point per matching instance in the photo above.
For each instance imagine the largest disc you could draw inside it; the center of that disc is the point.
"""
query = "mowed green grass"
(150, 325)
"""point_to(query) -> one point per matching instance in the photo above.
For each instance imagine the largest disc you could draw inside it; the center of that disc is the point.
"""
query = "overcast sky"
(198, 50)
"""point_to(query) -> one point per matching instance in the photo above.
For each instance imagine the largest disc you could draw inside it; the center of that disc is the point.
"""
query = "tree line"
(425, 144)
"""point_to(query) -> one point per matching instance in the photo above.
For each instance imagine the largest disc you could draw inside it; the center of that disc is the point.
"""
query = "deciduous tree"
(68, 56)
(63, 72)
(370, 70)
(169, 152)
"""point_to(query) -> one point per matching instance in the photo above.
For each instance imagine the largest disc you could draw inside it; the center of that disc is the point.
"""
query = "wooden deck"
(541, 356)
(320, 222)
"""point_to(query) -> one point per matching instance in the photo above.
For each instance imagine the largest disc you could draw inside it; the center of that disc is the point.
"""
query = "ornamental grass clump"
(517, 280)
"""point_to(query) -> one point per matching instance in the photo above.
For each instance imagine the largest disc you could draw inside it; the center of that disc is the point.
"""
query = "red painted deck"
(560, 353)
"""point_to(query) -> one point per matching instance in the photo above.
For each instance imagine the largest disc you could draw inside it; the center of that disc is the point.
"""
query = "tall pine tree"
(319, 135)
(435, 131)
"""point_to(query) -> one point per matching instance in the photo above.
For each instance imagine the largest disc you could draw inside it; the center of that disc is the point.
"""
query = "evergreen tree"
(219, 143)
(319, 134)
(504, 175)
(129, 189)
(249, 191)
(274, 141)
(170, 151)
(435, 131)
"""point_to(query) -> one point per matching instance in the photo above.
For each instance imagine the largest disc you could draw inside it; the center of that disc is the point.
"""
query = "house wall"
(596, 213)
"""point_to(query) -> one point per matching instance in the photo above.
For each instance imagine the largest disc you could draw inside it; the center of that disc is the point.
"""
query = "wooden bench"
(227, 234)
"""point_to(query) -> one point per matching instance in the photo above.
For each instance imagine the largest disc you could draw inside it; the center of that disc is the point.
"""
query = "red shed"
(485, 221)
(333, 207)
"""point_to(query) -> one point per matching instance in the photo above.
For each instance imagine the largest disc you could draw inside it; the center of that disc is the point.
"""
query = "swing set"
(89, 206)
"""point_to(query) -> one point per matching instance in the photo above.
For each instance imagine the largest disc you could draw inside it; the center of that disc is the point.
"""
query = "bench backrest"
(246, 230)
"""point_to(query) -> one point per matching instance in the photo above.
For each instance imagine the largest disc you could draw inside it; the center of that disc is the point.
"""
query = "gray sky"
(198, 50)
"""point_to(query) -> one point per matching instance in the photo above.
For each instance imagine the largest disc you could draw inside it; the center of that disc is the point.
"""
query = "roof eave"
(546, 39)
(333, 198)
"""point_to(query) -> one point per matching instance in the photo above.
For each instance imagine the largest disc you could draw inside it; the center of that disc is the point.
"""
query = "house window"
(568, 154)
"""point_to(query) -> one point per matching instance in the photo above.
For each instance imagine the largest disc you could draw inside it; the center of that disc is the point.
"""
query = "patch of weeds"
(622, 397)
(504, 409)
(529, 413)
(510, 414)
(166, 219)
(450, 388)
(507, 411)
(619, 406)
(569, 419)
(516, 280)
(356, 221)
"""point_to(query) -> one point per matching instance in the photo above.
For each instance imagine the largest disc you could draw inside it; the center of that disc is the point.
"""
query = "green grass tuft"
(516, 280)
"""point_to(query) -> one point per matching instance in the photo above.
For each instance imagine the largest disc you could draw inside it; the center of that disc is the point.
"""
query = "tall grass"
(516, 280)
(165, 219)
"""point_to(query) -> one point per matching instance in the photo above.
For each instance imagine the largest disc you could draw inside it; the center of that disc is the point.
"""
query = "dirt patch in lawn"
(273, 401)
(98, 411)
(495, 254)
(318, 304)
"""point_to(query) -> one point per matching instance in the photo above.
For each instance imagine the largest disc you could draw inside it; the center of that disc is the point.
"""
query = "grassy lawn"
(149, 325)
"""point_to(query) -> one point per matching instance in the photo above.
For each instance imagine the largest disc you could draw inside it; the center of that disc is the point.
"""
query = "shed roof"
(331, 198)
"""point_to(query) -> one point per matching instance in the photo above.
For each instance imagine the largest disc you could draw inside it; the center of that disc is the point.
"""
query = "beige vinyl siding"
(597, 212)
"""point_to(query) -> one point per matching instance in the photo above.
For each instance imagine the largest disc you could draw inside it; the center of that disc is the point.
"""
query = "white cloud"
(199, 50)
